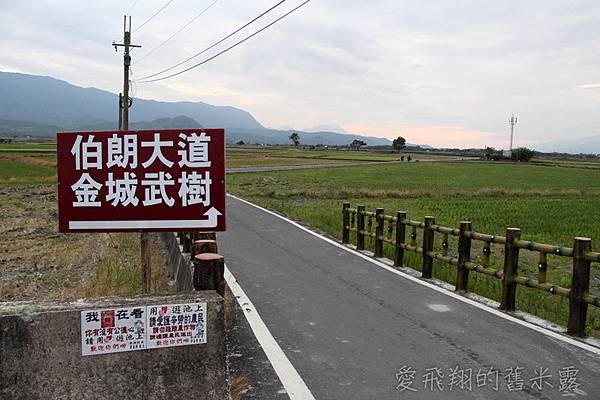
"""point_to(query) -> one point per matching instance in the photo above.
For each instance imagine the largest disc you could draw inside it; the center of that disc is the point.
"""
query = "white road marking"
(438, 307)
(474, 303)
(290, 378)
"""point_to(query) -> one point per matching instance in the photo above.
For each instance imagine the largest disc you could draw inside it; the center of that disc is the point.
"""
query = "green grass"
(581, 164)
(269, 156)
(421, 180)
(50, 158)
(27, 147)
(275, 161)
(254, 157)
(550, 205)
(16, 172)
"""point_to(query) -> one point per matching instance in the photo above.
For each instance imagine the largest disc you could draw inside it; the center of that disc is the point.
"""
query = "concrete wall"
(178, 262)
(40, 355)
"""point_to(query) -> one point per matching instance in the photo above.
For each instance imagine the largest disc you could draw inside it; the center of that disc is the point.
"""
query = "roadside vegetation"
(39, 263)
(550, 205)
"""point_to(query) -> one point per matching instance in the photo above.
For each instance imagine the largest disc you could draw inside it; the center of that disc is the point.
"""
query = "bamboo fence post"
(379, 232)
(360, 227)
(511, 269)
(427, 247)
(400, 238)
(542, 267)
(580, 286)
(464, 256)
(346, 223)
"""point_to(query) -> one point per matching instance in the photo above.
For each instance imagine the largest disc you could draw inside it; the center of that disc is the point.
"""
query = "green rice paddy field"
(551, 205)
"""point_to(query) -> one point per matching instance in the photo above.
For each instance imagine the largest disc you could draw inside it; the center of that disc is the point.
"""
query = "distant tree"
(522, 154)
(399, 143)
(240, 143)
(295, 138)
(489, 152)
(357, 144)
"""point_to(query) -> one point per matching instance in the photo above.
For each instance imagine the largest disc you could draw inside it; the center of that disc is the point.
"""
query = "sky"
(443, 73)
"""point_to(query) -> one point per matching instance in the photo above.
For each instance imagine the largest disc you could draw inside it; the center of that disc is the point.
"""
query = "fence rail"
(373, 225)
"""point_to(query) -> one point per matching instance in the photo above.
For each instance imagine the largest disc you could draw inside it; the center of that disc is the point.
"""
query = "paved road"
(240, 170)
(348, 326)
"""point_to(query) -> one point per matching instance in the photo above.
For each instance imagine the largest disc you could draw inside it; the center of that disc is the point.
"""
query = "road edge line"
(290, 378)
(545, 331)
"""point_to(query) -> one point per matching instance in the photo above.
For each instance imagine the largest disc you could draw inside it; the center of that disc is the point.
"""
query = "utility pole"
(124, 104)
(512, 121)
(125, 101)
(120, 111)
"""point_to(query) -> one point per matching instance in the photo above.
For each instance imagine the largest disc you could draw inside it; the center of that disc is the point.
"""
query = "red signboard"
(165, 180)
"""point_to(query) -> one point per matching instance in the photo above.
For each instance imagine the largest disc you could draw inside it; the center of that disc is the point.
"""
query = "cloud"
(379, 67)
(588, 86)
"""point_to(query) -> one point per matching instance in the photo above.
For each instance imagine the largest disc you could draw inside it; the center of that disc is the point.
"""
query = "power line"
(173, 35)
(131, 8)
(154, 15)
(217, 43)
(227, 49)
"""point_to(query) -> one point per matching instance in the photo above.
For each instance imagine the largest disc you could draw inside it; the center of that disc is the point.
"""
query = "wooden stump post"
(360, 228)
(206, 236)
(580, 286)
(427, 247)
(464, 256)
(346, 223)
(400, 238)
(511, 270)
(379, 232)
(205, 246)
(209, 270)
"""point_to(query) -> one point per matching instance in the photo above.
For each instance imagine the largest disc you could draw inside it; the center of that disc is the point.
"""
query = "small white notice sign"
(176, 325)
(121, 329)
(113, 330)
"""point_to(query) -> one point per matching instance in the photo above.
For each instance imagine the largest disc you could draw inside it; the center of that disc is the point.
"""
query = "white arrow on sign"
(210, 222)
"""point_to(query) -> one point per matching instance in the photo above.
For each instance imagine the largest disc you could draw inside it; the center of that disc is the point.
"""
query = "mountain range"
(41, 106)
(585, 145)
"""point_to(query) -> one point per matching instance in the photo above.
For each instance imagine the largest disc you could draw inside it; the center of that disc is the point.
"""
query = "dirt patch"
(37, 262)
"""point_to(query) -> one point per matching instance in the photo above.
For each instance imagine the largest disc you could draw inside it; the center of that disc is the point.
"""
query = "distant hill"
(179, 122)
(585, 145)
(276, 136)
(326, 128)
(46, 100)
(27, 128)
(40, 105)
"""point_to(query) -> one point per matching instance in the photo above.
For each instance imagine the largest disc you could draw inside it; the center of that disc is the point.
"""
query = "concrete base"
(40, 355)
(178, 262)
